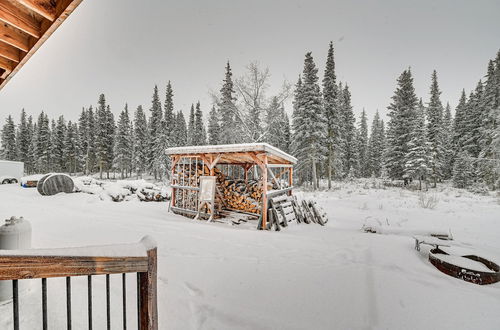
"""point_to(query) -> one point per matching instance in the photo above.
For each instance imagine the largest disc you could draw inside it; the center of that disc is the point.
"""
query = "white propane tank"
(15, 234)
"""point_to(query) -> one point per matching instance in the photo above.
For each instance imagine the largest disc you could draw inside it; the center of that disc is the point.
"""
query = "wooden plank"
(148, 304)
(26, 267)
(44, 8)
(185, 187)
(14, 37)
(19, 18)
(279, 192)
(10, 52)
(7, 65)
(264, 192)
(279, 165)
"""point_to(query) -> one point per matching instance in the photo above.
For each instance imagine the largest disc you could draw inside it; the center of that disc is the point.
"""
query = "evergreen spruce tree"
(402, 111)
(71, 148)
(110, 140)
(8, 149)
(169, 115)
(123, 144)
(473, 121)
(101, 135)
(376, 146)
(140, 142)
(182, 134)
(334, 120)
(275, 120)
(155, 129)
(417, 159)
(350, 148)
(363, 150)
(34, 143)
(489, 156)
(447, 135)
(200, 133)
(459, 125)
(287, 134)
(226, 108)
(59, 161)
(23, 140)
(52, 159)
(213, 127)
(298, 123)
(83, 140)
(91, 151)
(309, 126)
(30, 159)
(463, 170)
(43, 144)
(190, 127)
(435, 131)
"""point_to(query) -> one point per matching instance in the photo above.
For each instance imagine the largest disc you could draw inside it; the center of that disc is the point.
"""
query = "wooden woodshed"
(247, 176)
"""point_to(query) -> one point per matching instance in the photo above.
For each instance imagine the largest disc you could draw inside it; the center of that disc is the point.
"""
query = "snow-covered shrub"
(479, 188)
(428, 200)
(463, 171)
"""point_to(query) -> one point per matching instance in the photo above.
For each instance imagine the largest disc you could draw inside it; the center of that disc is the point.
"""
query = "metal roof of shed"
(275, 155)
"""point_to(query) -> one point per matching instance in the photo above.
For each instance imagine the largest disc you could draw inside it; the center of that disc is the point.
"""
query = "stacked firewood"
(233, 194)
(242, 196)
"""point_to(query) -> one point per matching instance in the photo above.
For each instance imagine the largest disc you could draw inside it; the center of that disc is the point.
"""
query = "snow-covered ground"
(218, 276)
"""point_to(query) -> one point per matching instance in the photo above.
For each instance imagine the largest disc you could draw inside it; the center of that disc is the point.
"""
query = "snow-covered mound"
(122, 190)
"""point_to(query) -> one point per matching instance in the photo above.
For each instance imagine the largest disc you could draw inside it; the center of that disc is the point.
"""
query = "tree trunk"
(330, 171)
(314, 180)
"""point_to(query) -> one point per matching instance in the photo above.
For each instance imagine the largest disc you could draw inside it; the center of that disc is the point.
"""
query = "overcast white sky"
(123, 47)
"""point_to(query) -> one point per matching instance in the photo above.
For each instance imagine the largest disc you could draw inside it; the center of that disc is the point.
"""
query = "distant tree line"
(421, 141)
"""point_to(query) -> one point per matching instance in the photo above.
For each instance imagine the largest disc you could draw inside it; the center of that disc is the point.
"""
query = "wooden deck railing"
(138, 258)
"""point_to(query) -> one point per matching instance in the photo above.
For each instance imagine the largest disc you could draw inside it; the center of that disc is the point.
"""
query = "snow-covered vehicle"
(10, 171)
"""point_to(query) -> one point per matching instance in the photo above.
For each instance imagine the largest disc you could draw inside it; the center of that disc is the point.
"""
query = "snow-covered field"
(218, 276)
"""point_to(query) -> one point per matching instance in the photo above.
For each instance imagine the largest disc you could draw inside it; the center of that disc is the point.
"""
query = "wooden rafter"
(46, 9)
(19, 17)
(7, 64)
(14, 37)
(9, 52)
(24, 26)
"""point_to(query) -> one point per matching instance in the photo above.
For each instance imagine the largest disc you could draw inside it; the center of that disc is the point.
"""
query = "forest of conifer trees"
(422, 141)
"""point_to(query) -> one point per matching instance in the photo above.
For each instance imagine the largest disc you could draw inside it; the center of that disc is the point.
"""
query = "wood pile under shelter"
(247, 176)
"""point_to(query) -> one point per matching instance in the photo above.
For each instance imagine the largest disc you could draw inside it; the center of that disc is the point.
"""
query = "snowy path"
(216, 276)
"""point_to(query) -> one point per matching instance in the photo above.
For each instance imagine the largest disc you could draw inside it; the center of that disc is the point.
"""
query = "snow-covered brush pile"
(122, 190)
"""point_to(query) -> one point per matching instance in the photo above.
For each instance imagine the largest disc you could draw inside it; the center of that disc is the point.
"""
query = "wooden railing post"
(148, 307)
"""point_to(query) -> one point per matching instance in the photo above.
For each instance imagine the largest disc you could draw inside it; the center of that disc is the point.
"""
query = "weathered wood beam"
(21, 19)
(9, 52)
(148, 299)
(25, 267)
(6, 64)
(14, 37)
(264, 191)
(44, 8)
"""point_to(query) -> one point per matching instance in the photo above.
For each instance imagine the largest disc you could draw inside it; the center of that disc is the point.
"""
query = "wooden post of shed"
(264, 192)
(290, 179)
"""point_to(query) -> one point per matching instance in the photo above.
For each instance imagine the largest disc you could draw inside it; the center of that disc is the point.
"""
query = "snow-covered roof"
(276, 155)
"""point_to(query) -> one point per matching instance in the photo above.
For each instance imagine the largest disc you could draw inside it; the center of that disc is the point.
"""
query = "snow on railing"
(140, 258)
